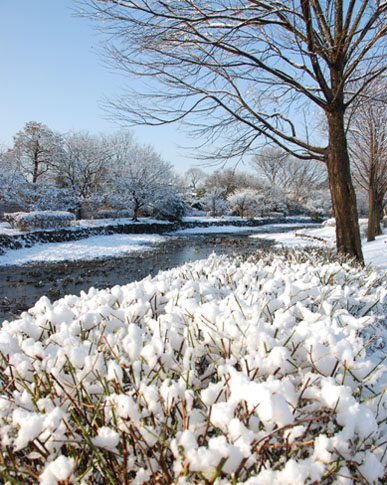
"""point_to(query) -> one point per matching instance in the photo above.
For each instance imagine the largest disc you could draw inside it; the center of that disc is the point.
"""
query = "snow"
(375, 252)
(56, 471)
(90, 248)
(211, 367)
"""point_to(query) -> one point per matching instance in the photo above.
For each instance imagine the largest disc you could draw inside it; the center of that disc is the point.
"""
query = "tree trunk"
(36, 168)
(79, 211)
(379, 214)
(372, 216)
(135, 211)
(342, 191)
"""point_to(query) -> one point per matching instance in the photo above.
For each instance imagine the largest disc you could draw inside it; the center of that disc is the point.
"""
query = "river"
(21, 286)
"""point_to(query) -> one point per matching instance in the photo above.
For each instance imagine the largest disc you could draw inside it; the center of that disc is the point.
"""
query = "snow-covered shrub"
(244, 202)
(27, 221)
(171, 208)
(213, 202)
(221, 371)
(106, 214)
(125, 213)
(329, 222)
(48, 197)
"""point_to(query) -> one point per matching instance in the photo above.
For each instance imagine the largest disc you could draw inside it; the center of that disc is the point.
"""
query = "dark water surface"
(22, 286)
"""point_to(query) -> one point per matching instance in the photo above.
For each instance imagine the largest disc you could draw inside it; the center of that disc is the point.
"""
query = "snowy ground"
(117, 244)
(90, 248)
(268, 371)
(375, 252)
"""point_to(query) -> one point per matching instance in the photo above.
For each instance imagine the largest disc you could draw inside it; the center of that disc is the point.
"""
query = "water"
(22, 286)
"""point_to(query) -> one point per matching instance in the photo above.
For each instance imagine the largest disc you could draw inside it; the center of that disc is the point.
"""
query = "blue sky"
(50, 72)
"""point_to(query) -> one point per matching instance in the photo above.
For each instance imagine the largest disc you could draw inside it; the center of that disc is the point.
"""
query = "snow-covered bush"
(106, 214)
(50, 198)
(221, 371)
(171, 208)
(329, 222)
(214, 202)
(27, 221)
(113, 214)
(244, 202)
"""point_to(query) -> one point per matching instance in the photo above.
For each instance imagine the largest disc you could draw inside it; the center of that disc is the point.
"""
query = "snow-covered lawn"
(90, 248)
(262, 372)
(375, 252)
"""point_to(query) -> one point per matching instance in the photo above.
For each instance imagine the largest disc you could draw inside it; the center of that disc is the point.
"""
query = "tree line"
(115, 174)
(47, 170)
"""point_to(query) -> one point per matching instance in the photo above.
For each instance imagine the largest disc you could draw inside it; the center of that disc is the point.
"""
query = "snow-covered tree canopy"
(84, 165)
(244, 202)
(36, 149)
(139, 178)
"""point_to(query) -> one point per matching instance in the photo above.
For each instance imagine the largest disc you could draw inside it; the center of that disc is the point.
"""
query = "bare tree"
(368, 148)
(36, 149)
(228, 180)
(269, 163)
(194, 176)
(297, 177)
(245, 71)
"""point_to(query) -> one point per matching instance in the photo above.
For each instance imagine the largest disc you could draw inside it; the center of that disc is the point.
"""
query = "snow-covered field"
(268, 371)
(90, 248)
(375, 252)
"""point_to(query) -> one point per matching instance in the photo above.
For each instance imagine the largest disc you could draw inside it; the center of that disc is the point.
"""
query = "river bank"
(14, 239)
(22, 285)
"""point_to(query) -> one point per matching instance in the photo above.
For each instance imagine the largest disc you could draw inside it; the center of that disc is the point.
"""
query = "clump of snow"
(330, 222)
(27, 221)
(230, 371)
(57, 471)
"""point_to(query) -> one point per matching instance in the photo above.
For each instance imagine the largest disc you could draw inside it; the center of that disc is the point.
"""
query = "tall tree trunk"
(36, 168)
(341, 187)
(372, 216)
(379, 214)
(135, 211)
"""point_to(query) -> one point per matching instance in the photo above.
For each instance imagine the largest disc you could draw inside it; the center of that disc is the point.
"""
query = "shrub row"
(27, 221)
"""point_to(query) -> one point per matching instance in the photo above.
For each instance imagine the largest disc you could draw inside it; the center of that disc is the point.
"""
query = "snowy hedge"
(26, 221)
(113, 214)
(221, 371)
